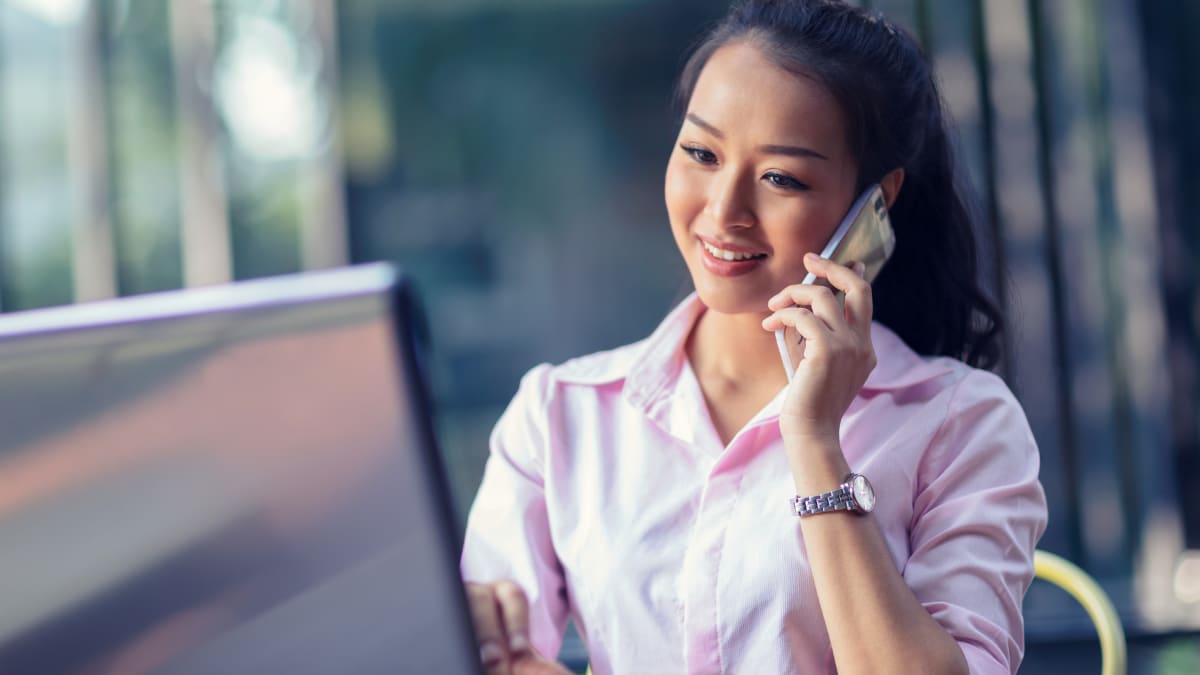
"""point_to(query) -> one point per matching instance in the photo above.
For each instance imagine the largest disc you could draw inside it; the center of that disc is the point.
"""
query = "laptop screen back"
(227, 480)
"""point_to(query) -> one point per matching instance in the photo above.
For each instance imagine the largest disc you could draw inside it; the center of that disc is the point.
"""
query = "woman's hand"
(500, 613)
(838, 354)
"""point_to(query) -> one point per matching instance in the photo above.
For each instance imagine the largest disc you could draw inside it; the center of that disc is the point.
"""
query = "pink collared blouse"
(609, 498)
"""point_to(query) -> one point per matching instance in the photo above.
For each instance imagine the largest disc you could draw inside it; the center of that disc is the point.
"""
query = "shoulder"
(599, 368)
(949, 408)
(969, 387)
(981, 410)
(901, 369)
(542, 382)
(980, 435)
(551, 396)
(603, 367)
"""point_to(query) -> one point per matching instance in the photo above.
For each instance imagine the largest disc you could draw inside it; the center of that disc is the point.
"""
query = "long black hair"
(929, 292)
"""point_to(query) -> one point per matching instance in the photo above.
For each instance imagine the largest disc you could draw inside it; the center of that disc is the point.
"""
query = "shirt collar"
(898, 366)
(654, 372)
(651, 367)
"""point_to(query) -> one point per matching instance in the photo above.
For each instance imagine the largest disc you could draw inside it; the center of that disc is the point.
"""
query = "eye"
(699, 154)
(781, 181)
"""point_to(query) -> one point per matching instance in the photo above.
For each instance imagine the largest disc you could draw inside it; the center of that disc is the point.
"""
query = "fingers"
(514, 610)
(489, 628)
(815, 313)
(810, 327)
(500, 612)
(842, 277)
(859, 304)
(820, 299)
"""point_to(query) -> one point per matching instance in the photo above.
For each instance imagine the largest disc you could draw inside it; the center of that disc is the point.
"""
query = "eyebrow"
(788, 150)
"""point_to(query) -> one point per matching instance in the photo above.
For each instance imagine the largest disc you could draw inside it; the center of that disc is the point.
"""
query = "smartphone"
(865, 235)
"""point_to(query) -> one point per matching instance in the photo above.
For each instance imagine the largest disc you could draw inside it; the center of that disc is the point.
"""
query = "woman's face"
(761, 172)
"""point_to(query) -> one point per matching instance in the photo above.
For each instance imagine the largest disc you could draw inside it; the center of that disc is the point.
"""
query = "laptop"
(234, 479)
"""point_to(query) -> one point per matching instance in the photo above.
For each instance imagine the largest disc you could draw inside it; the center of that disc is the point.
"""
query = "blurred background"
(509, 155)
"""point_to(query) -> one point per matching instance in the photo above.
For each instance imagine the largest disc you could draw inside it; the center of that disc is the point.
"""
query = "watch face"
(864, 494)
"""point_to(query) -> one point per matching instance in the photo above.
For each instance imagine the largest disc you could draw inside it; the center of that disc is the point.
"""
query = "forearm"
(875, 623)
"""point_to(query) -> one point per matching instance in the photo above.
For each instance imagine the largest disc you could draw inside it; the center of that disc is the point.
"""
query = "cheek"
(805, 229)
(684, 195)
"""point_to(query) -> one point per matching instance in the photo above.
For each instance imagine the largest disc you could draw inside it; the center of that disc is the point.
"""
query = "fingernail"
(491, 653)
(860, 269)
(811, 256)
(518, 643)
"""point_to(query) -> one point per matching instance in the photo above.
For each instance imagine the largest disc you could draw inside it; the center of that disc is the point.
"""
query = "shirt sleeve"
(979, 511)
(508, 531)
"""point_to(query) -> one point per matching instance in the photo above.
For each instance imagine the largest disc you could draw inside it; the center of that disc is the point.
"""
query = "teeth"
(727, 255)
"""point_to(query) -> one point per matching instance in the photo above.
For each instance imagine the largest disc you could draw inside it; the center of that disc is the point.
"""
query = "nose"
(730, 202)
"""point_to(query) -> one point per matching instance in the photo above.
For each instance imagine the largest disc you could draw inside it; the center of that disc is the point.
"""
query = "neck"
(735, 349)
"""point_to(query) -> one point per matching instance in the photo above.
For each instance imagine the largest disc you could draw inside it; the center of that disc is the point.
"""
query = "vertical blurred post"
(93, 259)
(1140, 266)
(207, 254)
(1172, 51)
(1027, 207)
(997, 258)
(323, 234)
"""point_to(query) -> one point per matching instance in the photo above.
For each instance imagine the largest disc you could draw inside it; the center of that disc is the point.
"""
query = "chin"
(727, 298)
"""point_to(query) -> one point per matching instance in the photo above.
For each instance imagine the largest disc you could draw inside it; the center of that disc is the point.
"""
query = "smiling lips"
(728, 260)
(731, 256)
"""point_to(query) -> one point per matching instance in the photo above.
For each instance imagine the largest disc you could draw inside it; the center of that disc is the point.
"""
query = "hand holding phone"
(865, 236)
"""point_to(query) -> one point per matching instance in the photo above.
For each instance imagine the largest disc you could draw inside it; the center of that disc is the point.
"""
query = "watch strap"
(841, 499)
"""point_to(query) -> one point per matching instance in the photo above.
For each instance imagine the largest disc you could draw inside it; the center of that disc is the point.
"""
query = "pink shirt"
(609, 498)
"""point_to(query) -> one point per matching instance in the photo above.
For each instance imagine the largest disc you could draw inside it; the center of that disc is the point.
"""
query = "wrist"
(810, 432)
(806, 448)
(817, 466)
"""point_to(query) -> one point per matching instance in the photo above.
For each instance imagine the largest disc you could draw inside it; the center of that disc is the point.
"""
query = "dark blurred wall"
(517, 173)
(1171, 29)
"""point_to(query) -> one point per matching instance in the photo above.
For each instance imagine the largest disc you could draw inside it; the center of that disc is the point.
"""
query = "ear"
(891, 185)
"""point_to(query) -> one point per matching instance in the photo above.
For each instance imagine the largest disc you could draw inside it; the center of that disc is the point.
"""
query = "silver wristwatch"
(855, 494)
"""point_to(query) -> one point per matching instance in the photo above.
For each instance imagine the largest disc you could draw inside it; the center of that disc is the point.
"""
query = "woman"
(643, 491)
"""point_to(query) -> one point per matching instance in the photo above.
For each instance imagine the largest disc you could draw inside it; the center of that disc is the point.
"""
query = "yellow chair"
(1069, 577)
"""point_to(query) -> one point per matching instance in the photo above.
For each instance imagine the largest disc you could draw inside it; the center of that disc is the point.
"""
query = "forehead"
(746, 95)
